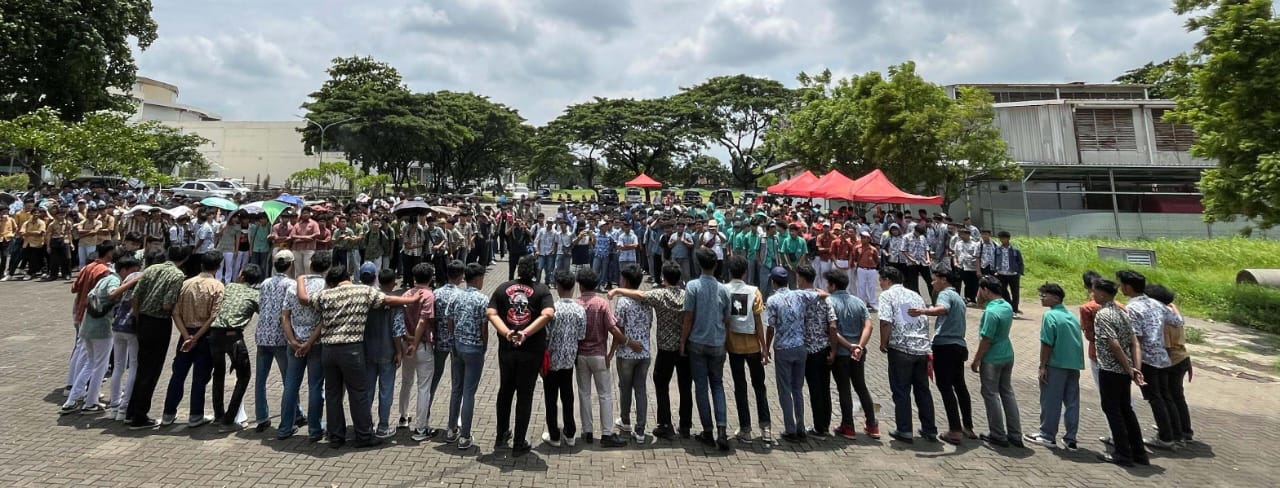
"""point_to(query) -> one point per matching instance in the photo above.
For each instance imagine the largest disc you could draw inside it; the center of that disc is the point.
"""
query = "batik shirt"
(635, 320)
(569, 327)
(909, 334)
(444, 297)
(345, 312)
(668, 306)
(271, 302)
(817, 317)
(303, 318)
(239, 303)
(1149, 317)
(466, 310)
(917, 248)
(784, 313)
(1112, 322)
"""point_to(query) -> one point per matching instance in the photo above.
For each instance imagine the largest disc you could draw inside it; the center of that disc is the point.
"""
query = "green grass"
(1194, 335)
(1202, 272)
(580, 193)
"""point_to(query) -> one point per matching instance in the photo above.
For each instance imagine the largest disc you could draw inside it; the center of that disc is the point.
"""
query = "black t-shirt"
(518, 305)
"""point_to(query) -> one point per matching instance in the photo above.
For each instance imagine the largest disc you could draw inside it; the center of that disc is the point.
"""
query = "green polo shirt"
(1061, 330)
(997, 320)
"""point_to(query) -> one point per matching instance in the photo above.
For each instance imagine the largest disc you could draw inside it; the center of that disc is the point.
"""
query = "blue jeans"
(383, 375)
(600, 264)
(464, 374)
(201, 360)
(547, 267)
(266, 355)
(612, 272)
(908, 374)
(1062, 390)
(788, 367)
(762, 273)
(707, 365)
(315, 392)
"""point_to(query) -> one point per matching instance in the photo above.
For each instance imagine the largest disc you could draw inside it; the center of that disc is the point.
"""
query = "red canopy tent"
(820, 188)
(643, 181)
(805, 179)
(875, 187)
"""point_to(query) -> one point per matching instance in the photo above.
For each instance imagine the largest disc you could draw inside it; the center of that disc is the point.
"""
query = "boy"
(635, 321)
(382, 332)
(240, 300)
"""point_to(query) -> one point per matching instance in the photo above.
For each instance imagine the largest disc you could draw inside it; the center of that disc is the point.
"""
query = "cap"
(284, 255)
(779, 273)
(368, 271)
(865, 234)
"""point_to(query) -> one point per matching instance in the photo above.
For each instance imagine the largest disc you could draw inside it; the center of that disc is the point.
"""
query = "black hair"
(454, 269)
(737, 266)
(1090, 277)
(336, 275)
(1053, 289)
(1134, 279)
(322, 261)
(474, 270)
(210, 261)
(706, 258)
(1105, 286)
(386, 276)
(837, 277)
(1004, 234)
(133, 236)
(179, 254)
(805, 271)
(588, 279)
(252, 274)
(894, 275)
(154, 256)
(127, 261)
(671, 273)
(953, 277)
(1161, 293)
(106, 247)
(282, 265)
(527, 268)
(632, 276)
(991, 284)
(423, 272)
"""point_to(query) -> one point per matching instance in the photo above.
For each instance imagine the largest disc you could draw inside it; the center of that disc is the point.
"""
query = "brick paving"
(1236, 424)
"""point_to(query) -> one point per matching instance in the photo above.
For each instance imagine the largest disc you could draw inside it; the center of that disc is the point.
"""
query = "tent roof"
(644, 181)
(875, 187)
(819, 189)
(803, 180)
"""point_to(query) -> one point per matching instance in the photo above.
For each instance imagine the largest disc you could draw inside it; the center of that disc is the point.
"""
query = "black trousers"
(153, 347)
(817, 375)
(851, 375)
(1183, 415)
(1157, 394)
(970, 285)
(517, 373)
(34, 256)
(557, 389)
(948, 372)
(914, 273)
(738, 364)
(227, 344)
(515, 259)
(1011, 289)
(407, 263)
(438, 261)
(669, 362)
(59, 259)
(345, 371)
(1113, 388)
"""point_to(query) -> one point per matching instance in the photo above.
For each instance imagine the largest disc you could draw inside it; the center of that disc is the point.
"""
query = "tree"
(701, 170)
(549, 159)
(974, 151)
(176, 150)
(493, 139)
(103, 143)
(74, 57)
(1168, 79)
(580, 130)
(639, 136)
(1234, 107)
(736, 112)
(34, 138)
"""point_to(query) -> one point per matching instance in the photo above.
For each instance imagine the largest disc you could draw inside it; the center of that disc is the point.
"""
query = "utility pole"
(323, 128)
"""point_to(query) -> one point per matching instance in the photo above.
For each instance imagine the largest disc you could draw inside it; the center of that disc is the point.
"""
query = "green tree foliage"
(176, 149)
(634, 136)
(103, 143)
(1234, 106)
(737, 112)
(701, 170)
(1168, 79)
(493, 139)
(549, 160)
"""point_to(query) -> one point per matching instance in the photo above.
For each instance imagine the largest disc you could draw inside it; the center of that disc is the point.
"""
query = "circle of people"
(322, 283)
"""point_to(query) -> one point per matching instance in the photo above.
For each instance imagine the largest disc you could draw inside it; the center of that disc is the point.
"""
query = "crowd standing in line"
(749, 284)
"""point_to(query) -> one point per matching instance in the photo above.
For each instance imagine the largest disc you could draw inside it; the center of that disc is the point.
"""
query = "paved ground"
(1236, 423)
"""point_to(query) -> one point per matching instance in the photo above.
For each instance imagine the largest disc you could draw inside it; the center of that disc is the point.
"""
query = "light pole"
(323, 128)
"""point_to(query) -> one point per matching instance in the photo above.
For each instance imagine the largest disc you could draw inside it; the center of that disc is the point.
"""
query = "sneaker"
(1070, 445)
(612, 441)
(262, 426)
(766, 436)
(791, 437)
(743, 437)
(112, 412)
(384, 432)
(194, 422)
(819, 434)
(300, 421)
(403, 423)
(847, 432)
(66, 391)
(1107, 440)
(546, 439)
(121, 415)
(872, 431)
(569, 440)
(521, 447)
(1040, 439)
(67, 409)
(464, 443)
(167, 420)
(587, 437)
(617, 424)
(722, 441)
(502, 440)
(993, 441)
(1159, 444)
(233, 427)
(664, 432)
(1017, 442)
(94, 409)
(423, 434)
(685, 434)
(1108, 458)
(920, 434)
(1180, 443)
(144, 423)
(286, 434)
(451, 436)
(706, 438)
(639, 437)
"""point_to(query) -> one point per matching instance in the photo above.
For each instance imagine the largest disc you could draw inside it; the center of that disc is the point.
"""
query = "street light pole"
(323, 128)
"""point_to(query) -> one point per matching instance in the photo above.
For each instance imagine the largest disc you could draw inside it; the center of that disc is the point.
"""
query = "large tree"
(178, 152)
(1234, 106)
(737, 112)
(580, 130)
(493, 139)
(1168, 79)
(637, 136)
(103, 143)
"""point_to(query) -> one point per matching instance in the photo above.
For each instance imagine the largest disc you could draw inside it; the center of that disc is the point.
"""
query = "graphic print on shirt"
(519, 315)
(740, 302)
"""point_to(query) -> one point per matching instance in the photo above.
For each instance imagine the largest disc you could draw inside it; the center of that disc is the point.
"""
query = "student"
(906, 341)
(518, 311)
(298, 321)
(635, 320)
(268, 338)
(564, 333)
(418, 367)
(593, 358)
(382, 347)
(994, 362)
(850, 335)
(1176, 343)
(1119, 361)
(240, 302)
(747, 351)
(706, 306)
(154, 299)
(94, 336)
(466, 312)
(1061, 359)
(949, 353)
(124, 337)
(668, 304)
(784, 316)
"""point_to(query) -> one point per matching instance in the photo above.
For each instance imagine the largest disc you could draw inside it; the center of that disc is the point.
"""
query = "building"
(157, 100)
(1098, 160)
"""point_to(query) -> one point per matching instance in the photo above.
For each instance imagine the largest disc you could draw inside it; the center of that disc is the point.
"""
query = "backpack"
(98, 307)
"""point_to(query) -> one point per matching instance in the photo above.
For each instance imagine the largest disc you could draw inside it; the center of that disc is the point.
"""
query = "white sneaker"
(766, 435)
(121, 414)
(112, 412)
(546, 439)
(569, 441)
(197, 421)
(617, 423)
(743, 437)
(1040, 439)
(640, 437)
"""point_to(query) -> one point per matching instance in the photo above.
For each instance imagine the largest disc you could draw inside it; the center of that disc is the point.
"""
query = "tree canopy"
(737, 112)
(104, 143)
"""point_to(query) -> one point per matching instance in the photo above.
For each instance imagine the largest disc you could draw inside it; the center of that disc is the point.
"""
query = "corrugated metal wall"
(1039, 134)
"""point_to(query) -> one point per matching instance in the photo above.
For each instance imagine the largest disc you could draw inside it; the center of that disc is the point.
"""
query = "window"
(1105, 130)
(1171, 136)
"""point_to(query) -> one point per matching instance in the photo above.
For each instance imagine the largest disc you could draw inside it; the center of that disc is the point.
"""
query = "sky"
(258, 59)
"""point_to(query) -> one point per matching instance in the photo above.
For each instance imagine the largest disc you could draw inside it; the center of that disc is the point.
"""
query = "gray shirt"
(949, 327)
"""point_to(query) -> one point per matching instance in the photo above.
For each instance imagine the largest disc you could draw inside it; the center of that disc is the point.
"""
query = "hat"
(779, 273)
(368, 271)
(284, 255)
(865, 234)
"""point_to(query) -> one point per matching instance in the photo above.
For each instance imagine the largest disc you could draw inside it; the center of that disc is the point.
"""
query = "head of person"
(895, 230)
(305, 213)
(1051, 294)
(251, 275)
(588, 279)
(1132, 283)
(1090, 277)
(179, 254)
(106, 251)
(283, 261)
(1105, 290)
(336, 275)
(890, 276)
(1161, 293)
(986, 235)
(631, 275)
(527, 268)
(422, 274)
(837, 280)
(210, 261)
(1004, 237)
(671, 273)
(737, 267)
(805, 275)
(706, 259)
(321, 262)
(779, 277)
(989, 288)
(152, 257)
(474, 275)
(944, 276)
(964, 234)
(367, 274)
(386, 278)
(454, 270)
(126, 265)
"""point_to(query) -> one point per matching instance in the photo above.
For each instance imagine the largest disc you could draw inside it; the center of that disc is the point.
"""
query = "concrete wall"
(253, 151)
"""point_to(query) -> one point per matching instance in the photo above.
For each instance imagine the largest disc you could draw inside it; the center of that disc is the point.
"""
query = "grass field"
(1202, 273)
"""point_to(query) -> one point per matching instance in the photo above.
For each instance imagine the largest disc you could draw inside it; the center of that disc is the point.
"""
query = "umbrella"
(221, 203)
(274, 209)
(252, 208)
(411, 207)
(6, 199)
(446, 210)
(139, 208)
(178, 211)
(289, 199)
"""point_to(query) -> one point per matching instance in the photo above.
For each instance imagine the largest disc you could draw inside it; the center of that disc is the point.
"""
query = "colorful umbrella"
(221, 203)
(289, 199)
(274, 209)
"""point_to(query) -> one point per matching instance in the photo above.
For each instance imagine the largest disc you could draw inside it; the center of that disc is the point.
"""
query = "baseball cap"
(779, 273)
(368, 272)
(284, 255)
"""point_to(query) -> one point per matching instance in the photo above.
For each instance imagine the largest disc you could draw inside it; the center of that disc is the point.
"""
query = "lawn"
(1202, 272)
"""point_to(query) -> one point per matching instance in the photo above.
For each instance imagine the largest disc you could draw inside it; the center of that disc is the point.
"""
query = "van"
(634, 195)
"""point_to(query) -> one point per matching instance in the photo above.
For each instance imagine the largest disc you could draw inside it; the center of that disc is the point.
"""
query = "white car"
(199, 190)
(519, 190)
(233, 186)
(635, 195)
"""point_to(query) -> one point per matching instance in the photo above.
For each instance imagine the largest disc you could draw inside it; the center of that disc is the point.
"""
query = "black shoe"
(664, 432)
(612, 441)
(1142, 461)
(927, 437)
(1107, 458)
(792, 437)
(299, 422)
(684, 434)
(802, 435)
(371, 442)
(262, 427)
(336, 443)
(315, 438)
(520, 448)
(587, 438)
(143, 423)
(993, 441)
(502, 440)
(816, 434)
(897, 436)
(706, 438)
(722, 442)
(1016, 442)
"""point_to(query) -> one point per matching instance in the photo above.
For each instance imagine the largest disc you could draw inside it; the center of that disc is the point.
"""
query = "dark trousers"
(224, 345)
(197, 362)
(517, 373)
(736, 368)
(1011, 289)
(515, 259)
(407, 263)
(1113, 388)
(153, 342)
(345, 370)
(908, 375)
(970, 285)
(557, 389)
(948, 371)
(817, 375)
(913, 275)
(851, 375)
(59, 258)
(669, 362)
(1180, 411)
(1163, 409)
(4, 258)
(438, 261)
(35, 261)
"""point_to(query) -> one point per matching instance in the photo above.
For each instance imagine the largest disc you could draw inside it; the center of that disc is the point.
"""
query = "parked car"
(199, 190)
(748, 197)
(544, 193)
(722, 197)
(519, 190)
(634, 195)
(233, 186)
(468, 191)
(691, 197)
(609, 196)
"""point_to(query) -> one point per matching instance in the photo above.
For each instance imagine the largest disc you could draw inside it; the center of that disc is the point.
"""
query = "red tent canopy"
(805, 179)
(643, 181)
(874, 187)
(820, 188)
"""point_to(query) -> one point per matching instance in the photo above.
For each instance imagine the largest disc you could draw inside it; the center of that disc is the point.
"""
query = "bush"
(14, 182)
